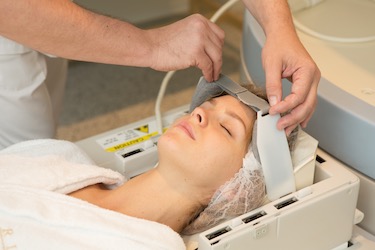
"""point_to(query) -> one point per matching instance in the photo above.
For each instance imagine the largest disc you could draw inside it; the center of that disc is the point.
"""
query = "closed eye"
(227, 130)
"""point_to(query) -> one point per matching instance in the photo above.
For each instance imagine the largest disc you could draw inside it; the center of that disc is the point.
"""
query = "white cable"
(169, 75)
(222, 10)
(159, 99)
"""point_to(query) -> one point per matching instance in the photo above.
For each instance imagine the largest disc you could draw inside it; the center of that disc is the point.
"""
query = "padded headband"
(206, 91)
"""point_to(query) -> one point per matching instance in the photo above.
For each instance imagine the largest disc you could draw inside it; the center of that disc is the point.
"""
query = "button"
(304, 192)
(148, 144)
(236, 222)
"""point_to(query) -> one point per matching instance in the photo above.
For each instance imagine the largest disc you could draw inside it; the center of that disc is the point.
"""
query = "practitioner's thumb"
(273, 89)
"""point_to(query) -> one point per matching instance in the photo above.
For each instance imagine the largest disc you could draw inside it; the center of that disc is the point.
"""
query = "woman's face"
(206, 147)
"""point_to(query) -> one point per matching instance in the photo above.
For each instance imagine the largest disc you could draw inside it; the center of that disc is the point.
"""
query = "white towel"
(35, 213)
(53, 165)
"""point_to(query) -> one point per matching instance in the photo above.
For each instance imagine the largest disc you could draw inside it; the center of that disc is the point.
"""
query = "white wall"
(137, 11)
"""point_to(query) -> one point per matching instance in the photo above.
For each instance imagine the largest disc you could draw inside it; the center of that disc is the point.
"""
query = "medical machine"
(332, 181)
(321, 203)
(340, 37)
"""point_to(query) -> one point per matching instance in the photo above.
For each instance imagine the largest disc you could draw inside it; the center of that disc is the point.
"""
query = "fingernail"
(272, 100)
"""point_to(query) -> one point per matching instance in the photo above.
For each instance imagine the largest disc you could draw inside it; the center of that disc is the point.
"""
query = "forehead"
(235, 107)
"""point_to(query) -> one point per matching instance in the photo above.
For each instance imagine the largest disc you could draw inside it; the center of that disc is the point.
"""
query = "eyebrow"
(235, 116)
(231, 114)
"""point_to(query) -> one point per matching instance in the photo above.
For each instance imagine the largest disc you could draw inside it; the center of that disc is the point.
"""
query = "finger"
(290, 129)
(205, 64)
(211, 57)
(215, 53)
(300, 114)
(214, 48)
(306, 121)
(302, 83)
(209, 60)
(273, 84)
(290, 120)
(311, 99)
(219, 32)
(290, 102)
(217, 66)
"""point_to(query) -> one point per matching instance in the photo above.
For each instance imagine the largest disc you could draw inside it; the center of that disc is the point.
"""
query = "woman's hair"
(244, 192)
(258, 91)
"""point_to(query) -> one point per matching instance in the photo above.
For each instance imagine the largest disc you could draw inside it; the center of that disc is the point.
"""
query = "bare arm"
(273, 15)
(63, 28)
(284, 56)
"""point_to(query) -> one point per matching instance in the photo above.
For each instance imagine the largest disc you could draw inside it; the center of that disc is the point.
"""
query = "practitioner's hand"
(285, 57)
(193, 41)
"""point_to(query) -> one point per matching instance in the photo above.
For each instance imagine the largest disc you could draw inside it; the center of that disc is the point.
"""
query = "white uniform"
(30, 100)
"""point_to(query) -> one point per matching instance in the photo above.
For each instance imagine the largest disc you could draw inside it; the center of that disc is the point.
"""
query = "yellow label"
(131, 142)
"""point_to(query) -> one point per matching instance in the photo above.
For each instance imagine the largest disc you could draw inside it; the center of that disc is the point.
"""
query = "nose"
(200, 116)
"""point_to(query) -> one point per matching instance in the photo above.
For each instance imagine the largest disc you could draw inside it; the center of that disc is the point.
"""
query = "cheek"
(207, 165)
(229, 166)
(221, 164)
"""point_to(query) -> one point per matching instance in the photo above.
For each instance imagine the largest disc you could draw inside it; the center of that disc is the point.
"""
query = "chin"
(174, 149)
(168, 143)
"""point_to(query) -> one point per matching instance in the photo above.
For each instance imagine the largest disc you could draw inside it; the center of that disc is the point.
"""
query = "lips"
(186, 128)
